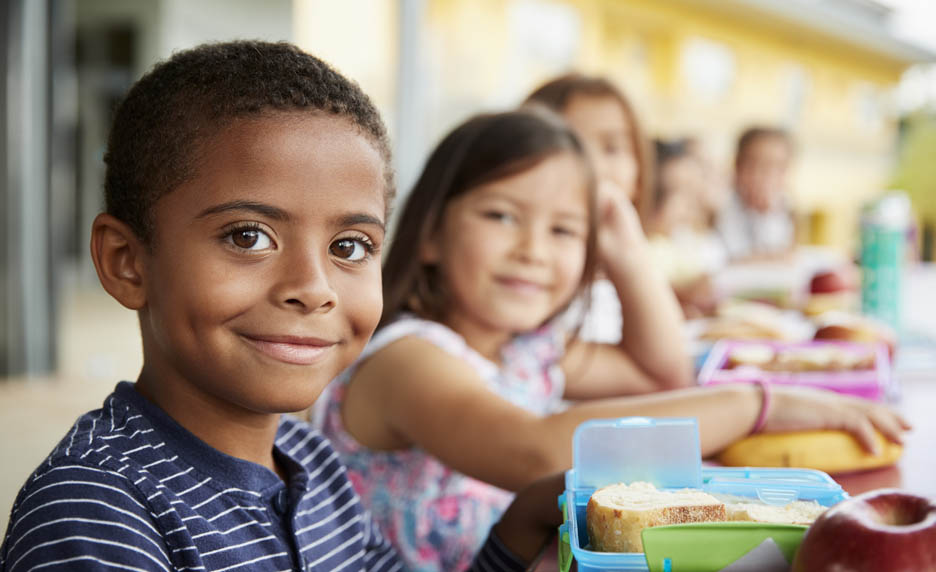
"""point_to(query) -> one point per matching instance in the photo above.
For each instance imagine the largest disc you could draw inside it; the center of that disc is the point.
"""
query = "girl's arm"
(414, 393)
(652, 354)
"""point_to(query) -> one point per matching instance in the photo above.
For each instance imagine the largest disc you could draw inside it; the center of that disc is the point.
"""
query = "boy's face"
(761, 172)
(264, 279)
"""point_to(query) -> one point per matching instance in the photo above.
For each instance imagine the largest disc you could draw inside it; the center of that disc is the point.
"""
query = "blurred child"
(638, 312)
(456, 400)
(756, 223)
(686, 251)
(247, 187)
(714, 190)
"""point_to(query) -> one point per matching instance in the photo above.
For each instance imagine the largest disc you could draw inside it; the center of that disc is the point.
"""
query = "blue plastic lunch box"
(665, 452)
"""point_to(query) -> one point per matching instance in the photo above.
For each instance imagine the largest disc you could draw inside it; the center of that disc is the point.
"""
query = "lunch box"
(873, 383)
(666, 452)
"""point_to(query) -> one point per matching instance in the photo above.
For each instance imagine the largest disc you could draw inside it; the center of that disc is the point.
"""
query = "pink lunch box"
(870, 383)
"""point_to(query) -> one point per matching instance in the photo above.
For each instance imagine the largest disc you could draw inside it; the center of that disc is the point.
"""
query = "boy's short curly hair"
(158, 127)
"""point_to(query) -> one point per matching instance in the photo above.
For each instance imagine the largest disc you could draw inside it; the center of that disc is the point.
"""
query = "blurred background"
(852, 80)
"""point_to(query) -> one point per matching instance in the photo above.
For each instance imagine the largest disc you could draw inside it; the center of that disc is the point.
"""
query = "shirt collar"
(232, 472)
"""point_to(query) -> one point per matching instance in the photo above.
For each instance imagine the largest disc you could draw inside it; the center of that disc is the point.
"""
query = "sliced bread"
(616, 514)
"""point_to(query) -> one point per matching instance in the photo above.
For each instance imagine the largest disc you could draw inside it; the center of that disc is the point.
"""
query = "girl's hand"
(800, 408)
(620, 234)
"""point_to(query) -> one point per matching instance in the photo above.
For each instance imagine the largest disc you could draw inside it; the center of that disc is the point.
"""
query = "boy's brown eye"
(350, 249)
(245, 238)
(343, 248)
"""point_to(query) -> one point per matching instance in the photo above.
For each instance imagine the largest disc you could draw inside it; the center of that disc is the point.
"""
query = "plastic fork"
(779, 497)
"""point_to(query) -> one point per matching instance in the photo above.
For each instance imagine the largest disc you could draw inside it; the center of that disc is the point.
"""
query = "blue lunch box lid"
(664, 451)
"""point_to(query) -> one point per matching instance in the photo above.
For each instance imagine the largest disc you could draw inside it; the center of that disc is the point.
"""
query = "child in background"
(638, 312)
(456, 400)
(714, 190)
(247, 187)
(682, 247)
(756, 223)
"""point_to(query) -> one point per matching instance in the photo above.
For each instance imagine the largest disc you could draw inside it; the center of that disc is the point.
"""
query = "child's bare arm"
(595, 371)
(414, 393)
(652, 352)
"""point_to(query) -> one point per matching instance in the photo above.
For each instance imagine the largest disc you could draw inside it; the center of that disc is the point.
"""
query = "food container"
(870, 383)
(665, 452)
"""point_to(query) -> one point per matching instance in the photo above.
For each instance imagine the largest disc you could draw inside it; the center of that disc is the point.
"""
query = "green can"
(884, 225)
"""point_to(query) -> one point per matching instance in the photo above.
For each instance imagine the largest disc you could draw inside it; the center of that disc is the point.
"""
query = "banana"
(828, 451)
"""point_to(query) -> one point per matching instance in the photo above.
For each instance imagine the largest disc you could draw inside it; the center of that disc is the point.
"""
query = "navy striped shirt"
(130, 489)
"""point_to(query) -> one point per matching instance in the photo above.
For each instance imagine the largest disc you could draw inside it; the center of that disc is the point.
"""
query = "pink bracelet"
(765, 406)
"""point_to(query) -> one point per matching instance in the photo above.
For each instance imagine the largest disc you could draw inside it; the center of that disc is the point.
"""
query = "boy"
(247, 187)
(756, 222)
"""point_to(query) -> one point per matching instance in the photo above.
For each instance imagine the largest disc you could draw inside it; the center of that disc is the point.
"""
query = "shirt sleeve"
(80, 517)
(495, 557)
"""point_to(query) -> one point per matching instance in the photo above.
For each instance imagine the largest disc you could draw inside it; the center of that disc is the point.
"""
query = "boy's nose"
(304, 284)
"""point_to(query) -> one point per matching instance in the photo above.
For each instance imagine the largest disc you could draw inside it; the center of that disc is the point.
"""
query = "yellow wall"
(845, 129)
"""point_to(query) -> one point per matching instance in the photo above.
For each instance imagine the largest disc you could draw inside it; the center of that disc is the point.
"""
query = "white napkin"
(765, 557)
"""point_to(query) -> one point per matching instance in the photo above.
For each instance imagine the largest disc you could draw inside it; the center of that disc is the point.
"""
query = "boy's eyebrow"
(259, 208)
(361, 218)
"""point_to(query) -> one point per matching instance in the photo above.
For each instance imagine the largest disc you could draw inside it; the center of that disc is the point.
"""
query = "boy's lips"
(291, 349)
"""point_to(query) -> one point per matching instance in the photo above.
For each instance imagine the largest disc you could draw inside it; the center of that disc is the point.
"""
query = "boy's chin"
(287, 398)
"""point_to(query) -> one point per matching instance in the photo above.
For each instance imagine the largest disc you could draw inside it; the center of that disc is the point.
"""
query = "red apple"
(831, 281)
(885, 530)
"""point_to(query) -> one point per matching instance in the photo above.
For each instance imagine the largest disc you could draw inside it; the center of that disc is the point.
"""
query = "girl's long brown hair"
(556, 95)
(483, 149)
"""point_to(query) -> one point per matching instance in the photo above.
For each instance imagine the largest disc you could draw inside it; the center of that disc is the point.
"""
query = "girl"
(651, 337)
(687, 254)
(456, 400)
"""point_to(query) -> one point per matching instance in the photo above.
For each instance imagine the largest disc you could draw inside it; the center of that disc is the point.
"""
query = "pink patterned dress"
(437, 517)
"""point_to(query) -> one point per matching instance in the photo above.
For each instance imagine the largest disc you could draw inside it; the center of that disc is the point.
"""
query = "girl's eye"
(499, 216)
(252, 239)
(351, 249)
(563, 231)
(616, 146)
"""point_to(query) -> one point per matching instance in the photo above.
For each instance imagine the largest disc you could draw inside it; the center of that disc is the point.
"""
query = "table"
(915, 371)
(916, 470)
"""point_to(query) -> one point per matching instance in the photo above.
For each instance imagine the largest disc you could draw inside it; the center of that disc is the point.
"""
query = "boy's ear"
(118, 256)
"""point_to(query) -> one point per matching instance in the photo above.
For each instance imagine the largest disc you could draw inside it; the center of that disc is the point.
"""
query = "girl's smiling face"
(263, 282)
(512, 251)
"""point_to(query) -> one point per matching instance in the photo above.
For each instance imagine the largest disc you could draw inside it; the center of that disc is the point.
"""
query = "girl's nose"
(304, 283)
(531, 245)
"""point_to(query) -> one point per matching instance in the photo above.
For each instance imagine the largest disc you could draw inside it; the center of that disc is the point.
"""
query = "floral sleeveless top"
(437, 517)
